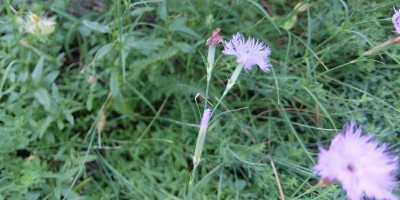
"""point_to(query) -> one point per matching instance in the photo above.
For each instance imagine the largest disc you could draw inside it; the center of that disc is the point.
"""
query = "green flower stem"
(210, 60)
(210, 67)
(196, 158)
(191, 182)
(199, 146)
(230, 84)
(202, 132)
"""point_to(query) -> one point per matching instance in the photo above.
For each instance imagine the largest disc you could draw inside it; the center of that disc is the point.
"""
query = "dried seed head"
(215, 38)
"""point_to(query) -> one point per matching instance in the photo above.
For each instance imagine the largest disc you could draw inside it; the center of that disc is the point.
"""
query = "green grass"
(147, 55)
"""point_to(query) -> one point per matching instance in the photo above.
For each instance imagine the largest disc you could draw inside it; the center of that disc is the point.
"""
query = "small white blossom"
(36, 25)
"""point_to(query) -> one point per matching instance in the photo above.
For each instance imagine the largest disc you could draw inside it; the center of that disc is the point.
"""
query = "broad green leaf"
(145, 2)
(69, 117)
(289, 23)
(60, 124)
(42, 96)
(37, 72)
(163, 10)
(51, 77)
(179, 25)
(89, 102)
(55, 92)
(114, 83)
(184, 47)
(103, 51)
(146, 46)
(84, 31)
(140, 11)
(96, 26)
(44, 125)
(23, 76)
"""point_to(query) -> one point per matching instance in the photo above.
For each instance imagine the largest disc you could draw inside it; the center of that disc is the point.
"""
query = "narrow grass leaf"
(123, 64)
(103, 51)
(114, 83)
(96, 26)
(268, 16)
(5, 75)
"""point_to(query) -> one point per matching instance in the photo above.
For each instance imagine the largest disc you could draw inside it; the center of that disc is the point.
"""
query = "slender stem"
(199, 149)
(208, 86)
(211, 57)
(278, 182)
(191, 183)
(151, 123)
(382, 46)
(220, 100)
(102, 119)
(203, 130)
(91, 131)
(201, 137)
(203, 127)
(230, 84)
(210, 67)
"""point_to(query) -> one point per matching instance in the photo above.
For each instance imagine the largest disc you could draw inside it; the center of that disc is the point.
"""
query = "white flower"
(38, 26)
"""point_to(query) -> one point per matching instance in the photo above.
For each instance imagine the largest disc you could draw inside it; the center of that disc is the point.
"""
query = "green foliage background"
(148, 56)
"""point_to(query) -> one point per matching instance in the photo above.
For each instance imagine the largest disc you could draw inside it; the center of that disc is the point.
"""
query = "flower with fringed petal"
(248, 52)
(362, 166)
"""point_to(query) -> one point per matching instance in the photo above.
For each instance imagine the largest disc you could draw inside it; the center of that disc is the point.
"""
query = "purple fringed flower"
(205, 119)
(362, 166)
(248, 52)
(396, 20)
